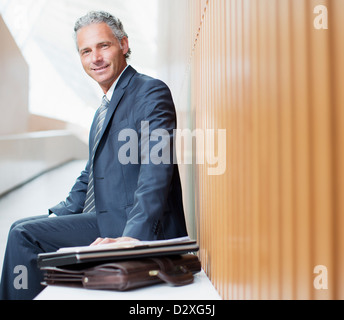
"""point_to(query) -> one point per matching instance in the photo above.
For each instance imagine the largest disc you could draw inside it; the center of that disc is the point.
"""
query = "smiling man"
(110, 201)
(102, 54)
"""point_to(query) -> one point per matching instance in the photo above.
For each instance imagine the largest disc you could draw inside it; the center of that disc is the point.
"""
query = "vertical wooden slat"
(233, 128)
(336, 26)
(287, 275)
(254, 78)
(247, 261)
(263, 136)
(229, 229)
(241, 152)
(223, 123)
(321, 151)
(301, 149)
(273, 155)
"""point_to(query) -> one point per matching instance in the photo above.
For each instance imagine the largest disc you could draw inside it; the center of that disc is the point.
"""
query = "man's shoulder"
(143, 81)
(146, 80)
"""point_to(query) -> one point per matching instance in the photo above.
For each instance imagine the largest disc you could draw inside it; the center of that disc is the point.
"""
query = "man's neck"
(110, 91)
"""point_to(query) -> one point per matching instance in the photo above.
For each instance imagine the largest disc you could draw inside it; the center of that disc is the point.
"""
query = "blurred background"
(269, 72)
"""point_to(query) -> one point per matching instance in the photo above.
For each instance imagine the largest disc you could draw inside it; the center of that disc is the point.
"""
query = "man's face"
(101, 54)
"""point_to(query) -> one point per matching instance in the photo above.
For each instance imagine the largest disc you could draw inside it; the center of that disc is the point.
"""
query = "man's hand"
(100, 241)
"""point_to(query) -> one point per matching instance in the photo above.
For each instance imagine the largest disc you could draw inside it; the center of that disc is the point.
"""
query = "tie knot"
(105, 101)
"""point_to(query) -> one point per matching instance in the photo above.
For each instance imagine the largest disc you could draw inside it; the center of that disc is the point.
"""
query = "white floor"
(36, 197)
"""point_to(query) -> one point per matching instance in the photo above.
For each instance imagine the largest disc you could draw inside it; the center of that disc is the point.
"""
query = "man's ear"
(125, 45)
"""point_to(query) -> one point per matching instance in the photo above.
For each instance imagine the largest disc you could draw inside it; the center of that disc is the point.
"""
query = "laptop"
(116, 252)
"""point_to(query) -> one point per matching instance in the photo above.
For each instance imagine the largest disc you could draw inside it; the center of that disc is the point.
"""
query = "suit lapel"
(117, 96)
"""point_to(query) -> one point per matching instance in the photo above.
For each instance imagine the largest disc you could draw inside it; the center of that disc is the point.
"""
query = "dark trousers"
(21, 278)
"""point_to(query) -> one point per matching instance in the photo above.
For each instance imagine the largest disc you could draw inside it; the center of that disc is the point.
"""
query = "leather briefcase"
(125, 275)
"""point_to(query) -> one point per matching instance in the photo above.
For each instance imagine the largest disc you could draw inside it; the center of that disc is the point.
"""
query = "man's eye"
(85, 52)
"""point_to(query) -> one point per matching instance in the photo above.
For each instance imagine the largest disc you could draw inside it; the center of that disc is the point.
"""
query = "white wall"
(14, 85)
(22, 157)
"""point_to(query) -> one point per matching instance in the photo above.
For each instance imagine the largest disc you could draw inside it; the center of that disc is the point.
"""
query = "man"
(111, 201)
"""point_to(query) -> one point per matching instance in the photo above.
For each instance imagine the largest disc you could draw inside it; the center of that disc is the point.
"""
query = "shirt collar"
(110, 92)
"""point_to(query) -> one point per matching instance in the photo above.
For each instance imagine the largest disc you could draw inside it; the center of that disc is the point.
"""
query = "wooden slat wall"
(260, 70)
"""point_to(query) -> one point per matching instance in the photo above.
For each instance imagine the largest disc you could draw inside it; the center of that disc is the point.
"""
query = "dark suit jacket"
(142, 201)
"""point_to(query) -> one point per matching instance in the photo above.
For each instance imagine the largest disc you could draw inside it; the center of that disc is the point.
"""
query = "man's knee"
(26, 220)
(22, 233)
(17, 232)
(15, 224)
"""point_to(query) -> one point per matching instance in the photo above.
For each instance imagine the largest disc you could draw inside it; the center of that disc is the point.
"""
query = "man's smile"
(100, 69)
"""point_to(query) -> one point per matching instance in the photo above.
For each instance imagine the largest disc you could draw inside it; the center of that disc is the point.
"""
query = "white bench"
(200, 289)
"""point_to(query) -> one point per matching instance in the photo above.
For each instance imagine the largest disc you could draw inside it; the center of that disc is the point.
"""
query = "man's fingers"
(98, 241)
(126, 239)
(106, 241)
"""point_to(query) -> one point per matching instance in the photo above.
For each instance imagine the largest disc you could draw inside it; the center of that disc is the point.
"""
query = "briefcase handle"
(181, 276)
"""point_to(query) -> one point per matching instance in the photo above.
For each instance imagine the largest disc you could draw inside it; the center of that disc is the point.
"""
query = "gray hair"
(99, 17)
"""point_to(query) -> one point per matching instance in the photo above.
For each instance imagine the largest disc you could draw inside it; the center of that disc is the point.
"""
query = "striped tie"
(90, 200)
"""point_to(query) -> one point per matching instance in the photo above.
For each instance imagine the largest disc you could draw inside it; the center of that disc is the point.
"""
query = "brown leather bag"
(125, 275)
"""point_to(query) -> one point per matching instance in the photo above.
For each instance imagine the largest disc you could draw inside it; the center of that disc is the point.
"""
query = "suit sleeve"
(75, 201)
(156, 129)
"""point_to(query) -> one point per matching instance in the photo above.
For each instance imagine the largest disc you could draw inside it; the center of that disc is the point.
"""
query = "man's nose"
(96, 56)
